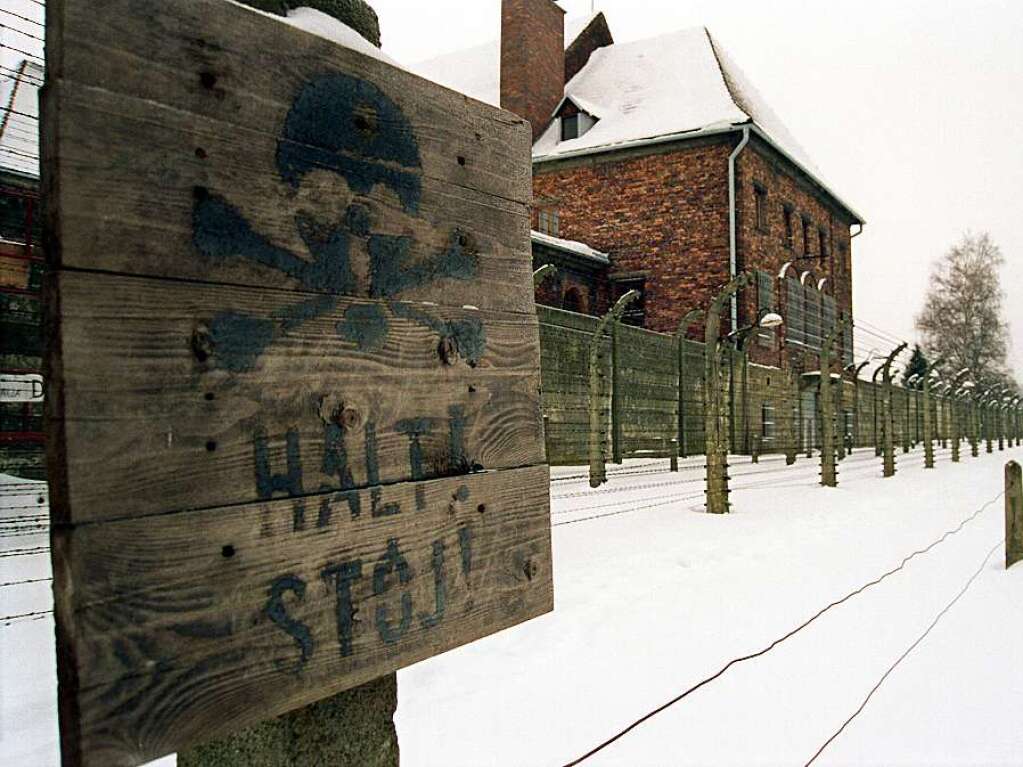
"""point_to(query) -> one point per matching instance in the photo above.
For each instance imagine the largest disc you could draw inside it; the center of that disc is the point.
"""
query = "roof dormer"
(574, 119)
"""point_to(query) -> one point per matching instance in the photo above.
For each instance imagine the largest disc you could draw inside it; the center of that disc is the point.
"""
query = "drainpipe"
(732, 255)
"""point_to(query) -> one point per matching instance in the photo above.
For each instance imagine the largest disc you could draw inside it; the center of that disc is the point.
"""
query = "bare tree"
(962, 316)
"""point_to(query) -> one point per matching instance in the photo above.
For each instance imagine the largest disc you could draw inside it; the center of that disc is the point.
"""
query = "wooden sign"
(293, 387)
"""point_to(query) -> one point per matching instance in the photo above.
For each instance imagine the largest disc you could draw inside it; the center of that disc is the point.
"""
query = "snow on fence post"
(1013, 514)
(280, 469)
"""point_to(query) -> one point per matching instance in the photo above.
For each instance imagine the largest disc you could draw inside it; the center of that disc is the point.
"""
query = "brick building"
(661, 156)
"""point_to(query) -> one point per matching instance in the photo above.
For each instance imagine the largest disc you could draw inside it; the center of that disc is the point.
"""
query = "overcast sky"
(913, 111)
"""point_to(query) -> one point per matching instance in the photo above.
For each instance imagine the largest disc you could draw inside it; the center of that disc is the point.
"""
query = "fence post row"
(829, 474)
(598, 428)
(889, 412)
(716, 438)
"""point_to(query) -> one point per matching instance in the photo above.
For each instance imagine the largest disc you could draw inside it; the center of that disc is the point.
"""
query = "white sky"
(911, 108)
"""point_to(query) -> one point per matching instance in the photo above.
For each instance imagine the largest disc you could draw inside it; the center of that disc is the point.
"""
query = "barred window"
(813, 317)
(847, 344)
(765, 303)
(767, 426)
(795, 323)
(760, 194)
(828, 314)
(787, 216)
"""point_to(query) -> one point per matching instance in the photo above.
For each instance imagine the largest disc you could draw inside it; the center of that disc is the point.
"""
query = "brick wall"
(664, 214)
(532, 59)
(767, 249)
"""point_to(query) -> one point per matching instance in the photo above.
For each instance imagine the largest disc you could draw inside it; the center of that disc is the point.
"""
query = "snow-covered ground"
(652, 596)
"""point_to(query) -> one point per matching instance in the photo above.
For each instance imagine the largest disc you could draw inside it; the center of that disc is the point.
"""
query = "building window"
(823, 236)
(828, 314)
(767, 427)
(795, 307)
(765, 303)
(787, 215)
(548, 222)
(812, 307)
(574, 126)
(847, 344)
(807, 250)
(760, 197)
(635, 312)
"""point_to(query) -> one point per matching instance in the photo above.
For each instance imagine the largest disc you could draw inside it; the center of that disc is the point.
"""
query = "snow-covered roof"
(19, 121)
(570, 246)
(677, 85)
(476, 71)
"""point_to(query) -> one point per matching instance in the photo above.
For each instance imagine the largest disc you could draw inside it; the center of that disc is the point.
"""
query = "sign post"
(293, 372)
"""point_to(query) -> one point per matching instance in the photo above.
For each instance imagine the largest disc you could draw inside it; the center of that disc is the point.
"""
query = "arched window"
(795, 305)
(812, 311)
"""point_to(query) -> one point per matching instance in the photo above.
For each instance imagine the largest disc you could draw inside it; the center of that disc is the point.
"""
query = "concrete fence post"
(1013, 514)
(826, 395)
(889, 413)
(598, 425)
(616, 392)
(717, 437)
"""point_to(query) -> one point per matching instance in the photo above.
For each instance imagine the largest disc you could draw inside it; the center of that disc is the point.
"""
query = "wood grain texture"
(192, 624)
(132, 170)
(164, 409)
(293, 407)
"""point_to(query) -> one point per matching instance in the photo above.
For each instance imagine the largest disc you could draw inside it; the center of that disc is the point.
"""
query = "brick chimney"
(532, 59)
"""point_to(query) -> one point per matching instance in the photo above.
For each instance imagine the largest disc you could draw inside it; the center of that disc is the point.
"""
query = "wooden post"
(351, 729)
(889, 414)
(716, 435)
(1013, 514)
(974, 416)
(1000, 417)
(598, 426)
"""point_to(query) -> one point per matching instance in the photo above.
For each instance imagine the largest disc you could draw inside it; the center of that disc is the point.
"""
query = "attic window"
(574, 126)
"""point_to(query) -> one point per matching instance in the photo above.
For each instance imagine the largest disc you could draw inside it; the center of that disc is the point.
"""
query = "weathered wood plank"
(167, 406)
(251, 604)
(224, 61)
(159, 192)
(293, 371)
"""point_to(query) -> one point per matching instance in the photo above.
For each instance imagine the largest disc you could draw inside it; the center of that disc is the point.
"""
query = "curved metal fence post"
(928, 425)
(826, 394)
(716, 435)
(889, 414)
(598, 428)
(541, 274)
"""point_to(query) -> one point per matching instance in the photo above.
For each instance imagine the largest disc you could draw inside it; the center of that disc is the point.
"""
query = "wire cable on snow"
(783, 638)
(908, 650)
